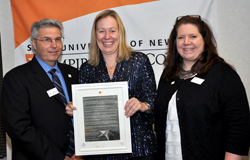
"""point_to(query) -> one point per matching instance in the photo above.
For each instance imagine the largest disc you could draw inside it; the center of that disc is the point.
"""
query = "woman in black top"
(211, 103)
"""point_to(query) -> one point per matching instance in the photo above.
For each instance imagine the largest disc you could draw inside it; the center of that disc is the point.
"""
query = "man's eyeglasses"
(47, 40)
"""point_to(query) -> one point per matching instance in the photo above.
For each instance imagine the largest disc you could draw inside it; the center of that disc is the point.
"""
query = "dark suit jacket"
(36, 123)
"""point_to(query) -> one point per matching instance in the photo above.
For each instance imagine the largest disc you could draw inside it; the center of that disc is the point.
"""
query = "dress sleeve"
(148, 86)
(83, 73)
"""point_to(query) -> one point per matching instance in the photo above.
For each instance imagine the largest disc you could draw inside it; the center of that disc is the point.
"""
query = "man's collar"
(45, 66)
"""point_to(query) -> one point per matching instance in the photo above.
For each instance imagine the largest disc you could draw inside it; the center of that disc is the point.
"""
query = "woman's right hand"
(69, 109)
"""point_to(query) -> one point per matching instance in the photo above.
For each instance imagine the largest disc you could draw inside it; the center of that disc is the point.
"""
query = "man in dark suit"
(33, 111)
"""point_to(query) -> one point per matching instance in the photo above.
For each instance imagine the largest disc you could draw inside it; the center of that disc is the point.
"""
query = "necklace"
(111, 67)
(186, 74)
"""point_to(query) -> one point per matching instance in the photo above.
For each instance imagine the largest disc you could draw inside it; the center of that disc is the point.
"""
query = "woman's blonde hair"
(94, 51)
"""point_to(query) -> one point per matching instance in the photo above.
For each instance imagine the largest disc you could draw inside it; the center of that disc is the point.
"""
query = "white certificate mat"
(100, 124)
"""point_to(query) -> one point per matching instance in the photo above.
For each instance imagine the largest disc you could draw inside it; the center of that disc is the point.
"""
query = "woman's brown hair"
(173, 60)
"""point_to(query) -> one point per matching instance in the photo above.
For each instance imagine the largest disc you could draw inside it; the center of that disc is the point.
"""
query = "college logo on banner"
(147, 23)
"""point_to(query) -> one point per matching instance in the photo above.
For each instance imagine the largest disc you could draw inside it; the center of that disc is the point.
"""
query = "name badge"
(197, 80)
(52, 92)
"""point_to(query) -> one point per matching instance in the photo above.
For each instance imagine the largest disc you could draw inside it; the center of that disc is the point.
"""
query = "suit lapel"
(41, 76)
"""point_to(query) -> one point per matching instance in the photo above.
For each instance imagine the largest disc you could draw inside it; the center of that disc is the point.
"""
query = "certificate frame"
(95, 102)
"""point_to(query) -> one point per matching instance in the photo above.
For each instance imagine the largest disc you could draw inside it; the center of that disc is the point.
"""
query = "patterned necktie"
(58, 85)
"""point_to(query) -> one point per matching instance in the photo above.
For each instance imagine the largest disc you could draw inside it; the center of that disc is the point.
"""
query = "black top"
(213, 116)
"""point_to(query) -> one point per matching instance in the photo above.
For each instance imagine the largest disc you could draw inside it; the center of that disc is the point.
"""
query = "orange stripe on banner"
(25, 12)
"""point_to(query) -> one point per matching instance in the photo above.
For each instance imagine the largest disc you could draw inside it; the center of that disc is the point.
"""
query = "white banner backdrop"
(147, 25)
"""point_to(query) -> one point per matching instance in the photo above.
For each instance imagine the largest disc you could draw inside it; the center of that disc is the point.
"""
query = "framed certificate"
(100, 124)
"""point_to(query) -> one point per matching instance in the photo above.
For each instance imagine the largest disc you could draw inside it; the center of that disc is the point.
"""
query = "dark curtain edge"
(2, 130)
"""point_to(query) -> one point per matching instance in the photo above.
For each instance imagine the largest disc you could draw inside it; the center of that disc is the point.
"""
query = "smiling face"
(189, 43)
(48, 52)
(107, 35)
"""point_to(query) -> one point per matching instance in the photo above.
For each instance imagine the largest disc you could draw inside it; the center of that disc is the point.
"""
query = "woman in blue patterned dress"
(112, 60)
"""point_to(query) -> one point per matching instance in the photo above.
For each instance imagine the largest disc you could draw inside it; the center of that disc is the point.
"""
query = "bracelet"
(149, 110)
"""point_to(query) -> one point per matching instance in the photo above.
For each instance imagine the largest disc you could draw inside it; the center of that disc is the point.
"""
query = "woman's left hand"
(133, 105)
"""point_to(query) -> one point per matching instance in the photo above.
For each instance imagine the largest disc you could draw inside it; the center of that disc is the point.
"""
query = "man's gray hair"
(45, 23)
